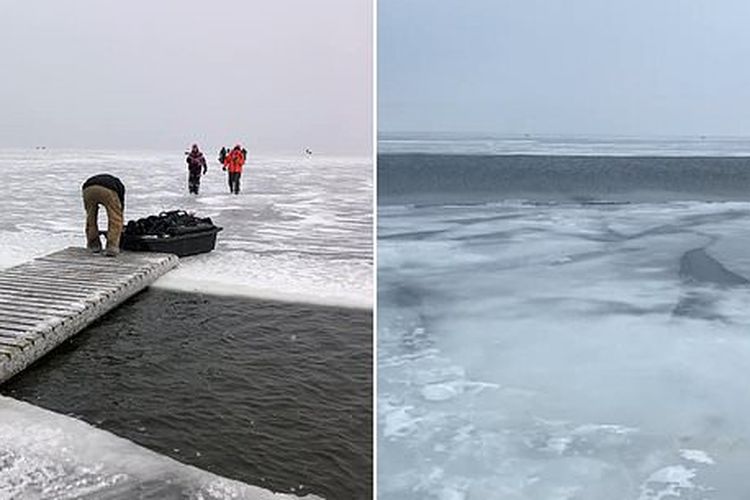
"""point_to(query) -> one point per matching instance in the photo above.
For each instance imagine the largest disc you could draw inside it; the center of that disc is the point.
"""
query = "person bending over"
(108, 191)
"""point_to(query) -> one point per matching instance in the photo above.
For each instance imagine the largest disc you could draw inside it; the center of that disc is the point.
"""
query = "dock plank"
(45, 301)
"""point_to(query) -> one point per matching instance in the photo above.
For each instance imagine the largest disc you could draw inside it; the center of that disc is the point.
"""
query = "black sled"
(176, 232)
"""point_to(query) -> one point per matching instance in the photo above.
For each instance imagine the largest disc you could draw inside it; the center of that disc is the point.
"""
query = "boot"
(94, 246)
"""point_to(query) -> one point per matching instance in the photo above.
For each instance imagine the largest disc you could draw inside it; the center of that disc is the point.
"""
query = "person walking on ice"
(196, 165)
(233, 163)
(108, 191)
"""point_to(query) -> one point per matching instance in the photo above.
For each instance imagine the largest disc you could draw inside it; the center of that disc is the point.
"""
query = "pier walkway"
(49, 299)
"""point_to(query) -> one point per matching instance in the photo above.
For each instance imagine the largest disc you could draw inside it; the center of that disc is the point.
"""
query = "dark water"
(439, 178)
(273, 394)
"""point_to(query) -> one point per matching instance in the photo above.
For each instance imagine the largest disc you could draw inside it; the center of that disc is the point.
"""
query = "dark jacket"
(109, 182)
(196, 163)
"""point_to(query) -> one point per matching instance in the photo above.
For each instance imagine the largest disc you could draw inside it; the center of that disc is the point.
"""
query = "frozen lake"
(555, 349)
(301, 230)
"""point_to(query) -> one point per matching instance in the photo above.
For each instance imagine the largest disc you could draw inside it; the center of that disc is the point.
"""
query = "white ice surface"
(697, 456)
(44, 455)
(560, 145)
(538, 352)
(301, 230)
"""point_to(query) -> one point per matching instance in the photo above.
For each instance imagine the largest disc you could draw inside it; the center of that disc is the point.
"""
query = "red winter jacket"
(234, 161)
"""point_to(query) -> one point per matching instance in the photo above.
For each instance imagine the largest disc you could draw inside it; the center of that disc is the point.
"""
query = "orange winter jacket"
(234, 161)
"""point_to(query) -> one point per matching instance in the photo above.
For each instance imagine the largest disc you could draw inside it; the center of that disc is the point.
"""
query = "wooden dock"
(49, 299)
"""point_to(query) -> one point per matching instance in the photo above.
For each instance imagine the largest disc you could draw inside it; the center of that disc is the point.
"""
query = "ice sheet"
(49, 456)
(301, 229)
(557, 351)
(564, 145)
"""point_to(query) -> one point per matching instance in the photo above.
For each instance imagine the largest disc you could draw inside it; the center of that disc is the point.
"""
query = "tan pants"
(93, 196)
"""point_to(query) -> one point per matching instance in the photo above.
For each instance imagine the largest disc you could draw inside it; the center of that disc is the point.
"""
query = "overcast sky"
(276, 75)
(635, 67)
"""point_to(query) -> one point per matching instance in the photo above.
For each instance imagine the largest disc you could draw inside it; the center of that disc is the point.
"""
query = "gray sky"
(636, 67)
(277, 75)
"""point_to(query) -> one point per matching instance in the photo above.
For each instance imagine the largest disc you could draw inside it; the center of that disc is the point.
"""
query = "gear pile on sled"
(176, 232)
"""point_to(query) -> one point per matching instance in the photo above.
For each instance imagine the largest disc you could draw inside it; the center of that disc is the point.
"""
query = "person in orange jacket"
(233, 164)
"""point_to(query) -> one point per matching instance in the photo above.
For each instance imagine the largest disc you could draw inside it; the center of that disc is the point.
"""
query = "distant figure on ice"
(222, 155)
(196, 165)
(308, 152)
(233, 164)
(106, 190)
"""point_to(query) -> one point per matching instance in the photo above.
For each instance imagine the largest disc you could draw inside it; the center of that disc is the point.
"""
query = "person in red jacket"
(233, 164)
